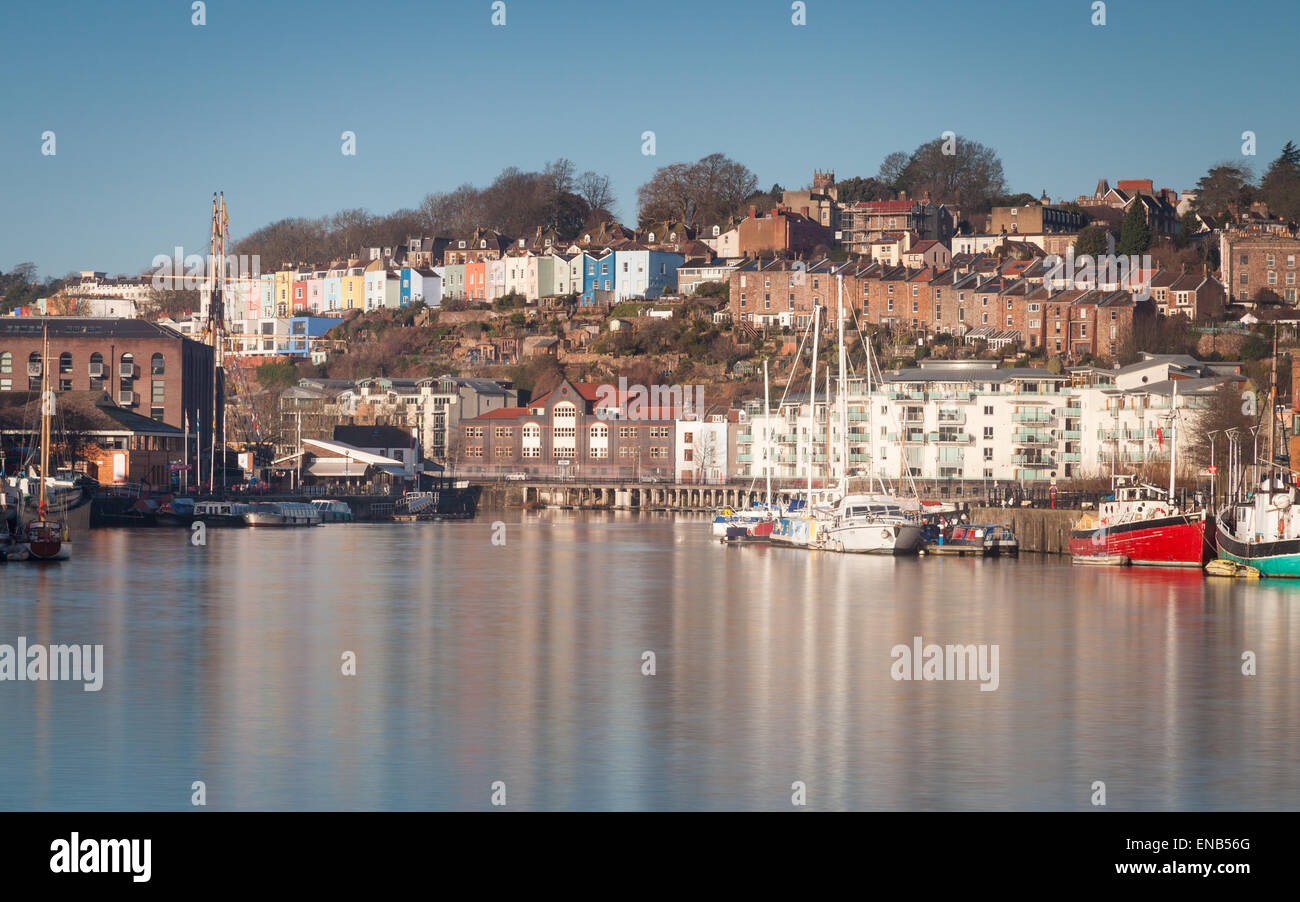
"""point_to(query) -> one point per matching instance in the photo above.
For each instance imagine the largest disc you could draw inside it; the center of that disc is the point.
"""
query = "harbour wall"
(1038, 529)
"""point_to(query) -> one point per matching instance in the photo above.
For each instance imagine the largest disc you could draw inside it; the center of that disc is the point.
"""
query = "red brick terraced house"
(580, 430)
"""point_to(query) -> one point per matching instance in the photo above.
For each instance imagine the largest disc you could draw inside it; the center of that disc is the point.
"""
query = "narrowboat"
(221, 513)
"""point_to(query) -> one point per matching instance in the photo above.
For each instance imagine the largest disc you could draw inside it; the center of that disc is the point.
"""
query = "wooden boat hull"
(1101, 560)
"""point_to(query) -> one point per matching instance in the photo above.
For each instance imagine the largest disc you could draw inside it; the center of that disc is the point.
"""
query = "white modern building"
(702, 450)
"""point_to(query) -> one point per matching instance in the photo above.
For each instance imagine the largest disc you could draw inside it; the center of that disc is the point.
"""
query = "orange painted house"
(476, 280)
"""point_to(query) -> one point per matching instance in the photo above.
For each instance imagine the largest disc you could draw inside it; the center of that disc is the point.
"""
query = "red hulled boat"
(1140, 524)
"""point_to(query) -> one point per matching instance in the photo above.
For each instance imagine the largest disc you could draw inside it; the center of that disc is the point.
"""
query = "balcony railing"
(1041, 463)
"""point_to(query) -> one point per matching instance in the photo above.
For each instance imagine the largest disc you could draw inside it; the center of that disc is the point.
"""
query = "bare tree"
(595, 189)
(711, 190)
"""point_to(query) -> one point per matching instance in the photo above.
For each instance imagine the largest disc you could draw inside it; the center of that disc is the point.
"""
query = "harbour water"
(522, 662)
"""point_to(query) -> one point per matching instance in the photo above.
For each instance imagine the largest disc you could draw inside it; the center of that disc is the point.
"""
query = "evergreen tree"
(1280, 187)
(1091, 241)
(1134, 236)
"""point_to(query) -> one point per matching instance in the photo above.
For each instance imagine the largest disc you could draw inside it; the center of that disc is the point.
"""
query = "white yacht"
(873, 524)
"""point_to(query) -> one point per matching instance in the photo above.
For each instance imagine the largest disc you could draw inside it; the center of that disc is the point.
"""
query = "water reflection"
(522, 663)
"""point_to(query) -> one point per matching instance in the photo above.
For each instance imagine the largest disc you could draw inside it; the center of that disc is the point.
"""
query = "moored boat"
(1140, 523)
(873, 524)
(1102, 559)
(1263, 531)
(282, 513)
(985, 540)
(46, 540)
(332, 511)
(1231, 569)
(221, 513)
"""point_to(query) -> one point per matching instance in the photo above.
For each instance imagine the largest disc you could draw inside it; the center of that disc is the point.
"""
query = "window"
(988, 410)
(34, 370)
(988, 432)
(473, 432)
(156, 365)
(6, 362)
(988, 453)
(504, 432)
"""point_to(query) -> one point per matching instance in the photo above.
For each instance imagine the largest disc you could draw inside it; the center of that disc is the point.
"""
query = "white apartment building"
(1126, 411)
(702, 450)
(792, 437)
(969, 420)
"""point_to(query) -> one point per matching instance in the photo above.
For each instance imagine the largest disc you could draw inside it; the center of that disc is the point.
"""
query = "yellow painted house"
(284, 280)
(352, 289)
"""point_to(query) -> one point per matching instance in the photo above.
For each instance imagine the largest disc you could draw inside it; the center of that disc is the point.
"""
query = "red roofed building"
(581, 430)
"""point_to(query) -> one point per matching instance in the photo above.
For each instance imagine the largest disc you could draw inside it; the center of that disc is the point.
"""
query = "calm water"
(522, 663)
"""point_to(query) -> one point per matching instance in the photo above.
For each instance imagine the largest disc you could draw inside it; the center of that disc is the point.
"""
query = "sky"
(151, 114)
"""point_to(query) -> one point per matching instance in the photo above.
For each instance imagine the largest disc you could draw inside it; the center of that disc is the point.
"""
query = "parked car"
(519, 477)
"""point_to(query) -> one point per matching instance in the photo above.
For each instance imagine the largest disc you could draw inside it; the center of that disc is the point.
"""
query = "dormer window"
(716, 231)
(483, 244)
(672, 236)
(548, 242)
(462, 245)
(652, 237)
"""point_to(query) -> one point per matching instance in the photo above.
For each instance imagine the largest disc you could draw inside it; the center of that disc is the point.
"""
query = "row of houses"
(1036, 304)
(943, 420)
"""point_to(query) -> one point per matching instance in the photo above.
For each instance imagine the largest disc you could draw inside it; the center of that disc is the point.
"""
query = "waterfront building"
(701, 449)
(144, 367)
(563, 435)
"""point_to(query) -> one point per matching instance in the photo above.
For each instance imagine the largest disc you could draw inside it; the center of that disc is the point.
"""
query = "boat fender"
(1281, 527)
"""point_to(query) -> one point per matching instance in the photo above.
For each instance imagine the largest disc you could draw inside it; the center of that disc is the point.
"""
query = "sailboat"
(804, 524)
(46, 539)
(756, 522)
(874, 522)
(1143, 524)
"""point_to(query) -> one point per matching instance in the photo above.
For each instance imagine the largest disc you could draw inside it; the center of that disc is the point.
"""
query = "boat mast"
(1272, 404)
(45, 418)
(1173, 442)
(842, 408)
(767, 434)
(812, 399)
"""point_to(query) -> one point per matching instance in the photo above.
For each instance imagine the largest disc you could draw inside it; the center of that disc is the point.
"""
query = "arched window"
(127, 367)
(600, 430)
(532, 430)
(156, 365)
(34, 369)
(65, 364)
(96, 371)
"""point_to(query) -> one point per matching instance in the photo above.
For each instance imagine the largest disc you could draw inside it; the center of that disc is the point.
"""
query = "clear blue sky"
(152, 114)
